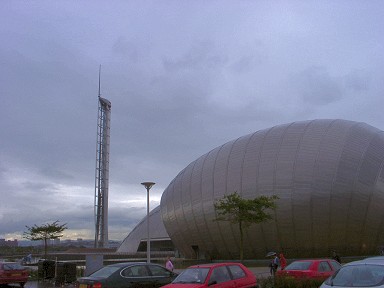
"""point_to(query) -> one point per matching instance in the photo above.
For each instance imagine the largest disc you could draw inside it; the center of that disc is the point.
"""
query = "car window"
(365, 275)
(127, 272)
(12, 266)
(324, 267)
(105, 272)
(159, 271)
(135, 271)
(192, 275)
(299, 265)
(219, 275)
(236, 271)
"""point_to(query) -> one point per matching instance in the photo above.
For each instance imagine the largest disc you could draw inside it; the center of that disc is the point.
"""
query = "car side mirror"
(211, 282)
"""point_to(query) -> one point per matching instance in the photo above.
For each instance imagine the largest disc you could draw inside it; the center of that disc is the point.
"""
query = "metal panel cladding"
(329, 177)
(139, 234)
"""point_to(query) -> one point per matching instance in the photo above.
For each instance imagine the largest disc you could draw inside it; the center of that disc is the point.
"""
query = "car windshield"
(364, 275)
(13, 266)
(105, 272)
(298, 265)
(192, 275)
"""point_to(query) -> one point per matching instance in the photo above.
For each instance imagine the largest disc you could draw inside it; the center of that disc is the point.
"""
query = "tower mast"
(102, 171)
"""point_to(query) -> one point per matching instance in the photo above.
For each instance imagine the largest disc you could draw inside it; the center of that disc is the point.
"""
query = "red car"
(315, 269)
(11, 272)
(218, 275)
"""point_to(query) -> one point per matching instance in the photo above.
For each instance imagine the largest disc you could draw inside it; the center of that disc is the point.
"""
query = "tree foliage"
(244, 212)
(45, 232)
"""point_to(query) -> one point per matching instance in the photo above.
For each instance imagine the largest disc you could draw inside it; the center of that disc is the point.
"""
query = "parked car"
(218, 275)
(12, 272)
(364, 273)
(129, 274)
(311, 268)
(375, 258)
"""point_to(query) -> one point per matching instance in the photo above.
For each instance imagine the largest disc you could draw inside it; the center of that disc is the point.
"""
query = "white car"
(364, 273)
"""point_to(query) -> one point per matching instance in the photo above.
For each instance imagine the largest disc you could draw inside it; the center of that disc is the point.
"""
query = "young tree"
(45, 232)
(244, 212)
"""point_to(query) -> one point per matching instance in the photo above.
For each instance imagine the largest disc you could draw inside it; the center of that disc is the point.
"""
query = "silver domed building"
(328, 175)
(136, 241)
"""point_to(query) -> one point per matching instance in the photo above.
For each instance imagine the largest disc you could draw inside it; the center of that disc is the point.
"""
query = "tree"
(244, 212)
(45, 232)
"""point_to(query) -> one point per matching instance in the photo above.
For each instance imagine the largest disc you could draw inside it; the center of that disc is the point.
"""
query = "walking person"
(169, 264)
(335, 256)
(274, 265)
(283, 261)
(271, 267)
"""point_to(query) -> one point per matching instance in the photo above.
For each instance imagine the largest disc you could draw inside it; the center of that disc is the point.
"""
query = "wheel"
(22, 284)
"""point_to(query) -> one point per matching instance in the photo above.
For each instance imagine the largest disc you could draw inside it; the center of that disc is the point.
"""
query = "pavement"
(260, 272)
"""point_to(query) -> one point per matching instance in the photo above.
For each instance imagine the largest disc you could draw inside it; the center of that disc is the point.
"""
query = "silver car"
(364, 273)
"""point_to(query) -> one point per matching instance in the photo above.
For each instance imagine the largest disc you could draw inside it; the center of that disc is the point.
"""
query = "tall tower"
(102, 171)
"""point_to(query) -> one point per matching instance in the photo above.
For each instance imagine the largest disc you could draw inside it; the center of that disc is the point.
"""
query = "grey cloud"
(201, 56)
(245, 64)
(357, 81)
(58, 174)
(127, 49)
(183, 79)
(317, 87)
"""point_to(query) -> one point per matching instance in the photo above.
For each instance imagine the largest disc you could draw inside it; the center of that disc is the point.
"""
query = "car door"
(324, 270)
(160, 276)
(221, 278)
(239, 276)
(136, 276)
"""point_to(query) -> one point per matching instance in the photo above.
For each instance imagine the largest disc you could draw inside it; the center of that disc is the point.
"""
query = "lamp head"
(148, 185)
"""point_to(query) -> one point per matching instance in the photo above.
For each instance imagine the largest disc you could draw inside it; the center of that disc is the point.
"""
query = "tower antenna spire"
(99, 79)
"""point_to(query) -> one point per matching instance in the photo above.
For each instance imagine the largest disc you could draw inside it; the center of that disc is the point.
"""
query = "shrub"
(280, 282)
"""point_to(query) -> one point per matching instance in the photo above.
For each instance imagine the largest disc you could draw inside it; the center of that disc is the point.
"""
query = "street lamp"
(148, 186)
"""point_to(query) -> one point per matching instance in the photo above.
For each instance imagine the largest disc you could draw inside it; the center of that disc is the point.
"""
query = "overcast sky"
(183, 77)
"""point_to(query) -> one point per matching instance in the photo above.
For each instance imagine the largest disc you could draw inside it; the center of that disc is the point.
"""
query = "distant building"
(8, 243)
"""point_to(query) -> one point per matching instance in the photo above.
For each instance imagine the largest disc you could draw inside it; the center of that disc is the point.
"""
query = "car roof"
(373, 260)
(209, 265)
(8, 262)
(123, 264)
(311, 260)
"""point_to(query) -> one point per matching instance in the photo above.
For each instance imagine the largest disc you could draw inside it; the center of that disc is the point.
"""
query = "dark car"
(311, 268)
(218, 275)
(129, 274)
(11, 272)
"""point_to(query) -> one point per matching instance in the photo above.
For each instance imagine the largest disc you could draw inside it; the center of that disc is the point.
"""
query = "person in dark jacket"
(335, 256)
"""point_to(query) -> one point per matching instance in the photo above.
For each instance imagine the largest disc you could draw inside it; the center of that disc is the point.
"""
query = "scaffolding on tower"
(102, 172)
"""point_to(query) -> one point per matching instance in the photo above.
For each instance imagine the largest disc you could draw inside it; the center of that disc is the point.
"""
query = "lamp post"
(148, 186)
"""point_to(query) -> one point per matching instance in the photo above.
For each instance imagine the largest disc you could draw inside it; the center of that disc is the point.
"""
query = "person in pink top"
(169, 264)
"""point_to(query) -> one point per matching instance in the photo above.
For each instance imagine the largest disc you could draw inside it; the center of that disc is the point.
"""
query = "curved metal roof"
(157, 231)
(327, 173)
